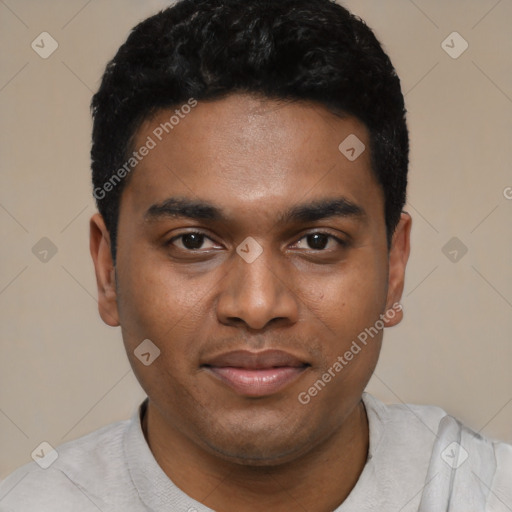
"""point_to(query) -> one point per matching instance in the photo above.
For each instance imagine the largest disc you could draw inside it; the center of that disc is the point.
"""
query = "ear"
(398, 256)
(99, 244)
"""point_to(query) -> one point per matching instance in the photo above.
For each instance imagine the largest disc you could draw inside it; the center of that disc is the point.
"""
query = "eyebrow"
(178, 207)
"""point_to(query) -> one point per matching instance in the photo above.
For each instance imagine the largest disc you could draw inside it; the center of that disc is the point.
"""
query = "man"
(250, 167)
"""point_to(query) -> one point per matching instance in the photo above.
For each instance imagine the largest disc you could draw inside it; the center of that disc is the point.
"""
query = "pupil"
(317, 241)
(193, 240)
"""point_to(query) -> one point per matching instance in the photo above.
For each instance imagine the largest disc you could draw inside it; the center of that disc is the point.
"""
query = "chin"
(261, 449)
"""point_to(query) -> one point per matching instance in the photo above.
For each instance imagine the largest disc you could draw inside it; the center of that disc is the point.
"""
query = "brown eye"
(319, 241)
(192, 241)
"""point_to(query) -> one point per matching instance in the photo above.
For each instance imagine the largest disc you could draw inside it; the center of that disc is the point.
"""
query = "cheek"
(159, 307)
(150, 302)
(359, 287)
(171, 309)
(350, 302)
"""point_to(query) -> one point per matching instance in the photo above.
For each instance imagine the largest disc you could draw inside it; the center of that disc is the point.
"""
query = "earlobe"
(99, 244)
(398, 257)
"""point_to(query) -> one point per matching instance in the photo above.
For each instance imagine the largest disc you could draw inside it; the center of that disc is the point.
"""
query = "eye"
(196, 241)
(191, 241)
(320, 241)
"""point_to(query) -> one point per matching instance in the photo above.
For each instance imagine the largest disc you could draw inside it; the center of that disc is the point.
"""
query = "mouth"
(256, 374)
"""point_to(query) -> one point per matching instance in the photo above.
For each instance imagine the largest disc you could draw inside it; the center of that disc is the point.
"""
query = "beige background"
(63, 373)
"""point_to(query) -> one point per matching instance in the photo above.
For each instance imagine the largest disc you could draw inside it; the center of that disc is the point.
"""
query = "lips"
(256, 374)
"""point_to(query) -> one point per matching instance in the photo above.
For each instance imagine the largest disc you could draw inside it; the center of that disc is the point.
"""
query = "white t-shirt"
(420, 459)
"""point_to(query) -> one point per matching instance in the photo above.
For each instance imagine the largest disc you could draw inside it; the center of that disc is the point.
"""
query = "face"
(252, 252)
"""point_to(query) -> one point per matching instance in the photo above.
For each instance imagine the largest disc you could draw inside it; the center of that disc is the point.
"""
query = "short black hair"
(311, 50)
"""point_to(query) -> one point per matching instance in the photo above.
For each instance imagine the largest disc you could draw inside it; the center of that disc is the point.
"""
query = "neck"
(319, 481)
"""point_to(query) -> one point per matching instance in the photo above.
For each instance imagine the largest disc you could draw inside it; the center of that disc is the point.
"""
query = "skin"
(254, 159)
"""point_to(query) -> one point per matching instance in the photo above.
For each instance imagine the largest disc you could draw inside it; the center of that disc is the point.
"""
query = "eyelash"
(341, 243)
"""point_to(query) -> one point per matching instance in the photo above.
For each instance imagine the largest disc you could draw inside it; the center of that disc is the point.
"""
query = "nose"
(257, 293)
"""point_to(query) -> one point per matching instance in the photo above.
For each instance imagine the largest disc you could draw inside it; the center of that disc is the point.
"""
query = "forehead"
(245, 153)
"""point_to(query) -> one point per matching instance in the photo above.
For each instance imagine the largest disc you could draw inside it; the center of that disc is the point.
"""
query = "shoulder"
(500, 498)
(404, 424)
(461, 466)
(79, 464)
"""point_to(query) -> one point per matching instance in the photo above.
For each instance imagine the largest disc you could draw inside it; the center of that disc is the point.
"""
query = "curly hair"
(313, 50)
